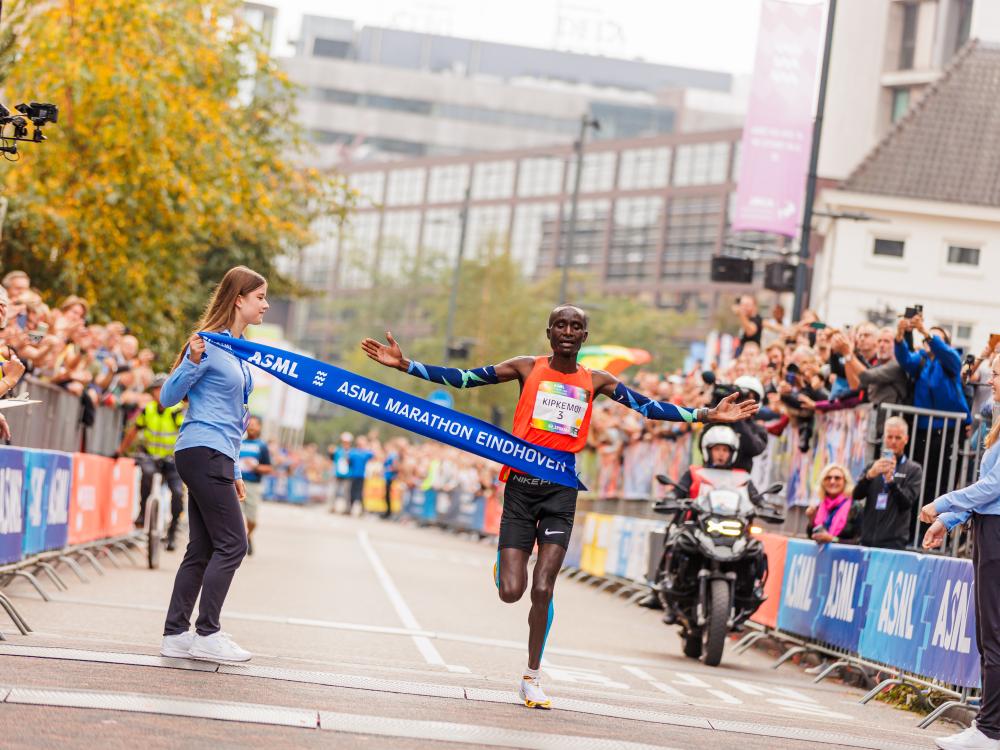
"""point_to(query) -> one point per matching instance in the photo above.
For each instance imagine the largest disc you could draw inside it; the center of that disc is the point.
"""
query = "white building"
(885, 55)
(931, 190)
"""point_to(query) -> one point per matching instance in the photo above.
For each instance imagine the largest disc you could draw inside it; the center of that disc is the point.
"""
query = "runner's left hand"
(241, 490)
(935, 535)
(389, 355)
(928, 514)
(729, 410)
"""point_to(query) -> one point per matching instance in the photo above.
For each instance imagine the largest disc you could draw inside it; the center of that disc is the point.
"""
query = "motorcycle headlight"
(715, 526)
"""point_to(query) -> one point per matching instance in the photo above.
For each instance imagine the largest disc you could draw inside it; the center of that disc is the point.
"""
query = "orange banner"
(91, 492)
(775, 546)
(121, 499)
(491, 516)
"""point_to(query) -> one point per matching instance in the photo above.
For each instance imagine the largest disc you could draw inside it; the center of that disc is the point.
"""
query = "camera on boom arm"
(14, 127)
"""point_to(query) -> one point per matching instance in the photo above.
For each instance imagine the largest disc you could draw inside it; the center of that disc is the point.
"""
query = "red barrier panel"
(117, 519)
(91, 492)
(776, 546)
(491, 515)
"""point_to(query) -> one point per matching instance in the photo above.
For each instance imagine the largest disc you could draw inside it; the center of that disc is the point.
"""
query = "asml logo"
(58, 510)
(895, 616)
(840, 601)
(274, 364)
(954, 609)
(36, 489)
(11, 520)
(800, 582)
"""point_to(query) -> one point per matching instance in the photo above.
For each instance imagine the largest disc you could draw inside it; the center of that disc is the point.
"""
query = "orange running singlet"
(554, 408)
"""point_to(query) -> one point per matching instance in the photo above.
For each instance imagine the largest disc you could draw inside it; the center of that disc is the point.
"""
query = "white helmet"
(750, 383)
(719, 434)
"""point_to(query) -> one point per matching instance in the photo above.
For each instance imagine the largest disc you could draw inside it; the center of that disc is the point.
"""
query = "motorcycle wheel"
(717, 626)
(692, 644)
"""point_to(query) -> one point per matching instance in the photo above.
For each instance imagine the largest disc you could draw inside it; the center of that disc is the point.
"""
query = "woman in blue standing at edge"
(982, 501)
(217, 386)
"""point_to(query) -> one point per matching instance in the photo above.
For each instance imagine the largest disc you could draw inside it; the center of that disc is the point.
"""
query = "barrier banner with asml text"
(842, 605)
(11, 504)
(91, 486)
(59, 480)
(894, 630)
(799, 600)
(46, 499)
(949, 650)
(373, 399)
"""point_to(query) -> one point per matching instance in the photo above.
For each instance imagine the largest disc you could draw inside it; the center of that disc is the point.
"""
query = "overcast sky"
(709, 34)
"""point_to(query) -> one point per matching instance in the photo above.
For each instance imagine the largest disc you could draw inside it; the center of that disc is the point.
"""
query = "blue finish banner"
(11, 504)
(799, 596)
(893, 631)
(403, 410)
(949, 650)
(842, 597)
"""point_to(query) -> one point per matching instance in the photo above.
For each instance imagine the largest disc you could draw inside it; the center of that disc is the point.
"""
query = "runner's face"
(567, 331)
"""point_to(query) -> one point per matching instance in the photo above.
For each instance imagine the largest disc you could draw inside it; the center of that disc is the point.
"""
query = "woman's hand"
(928, 514)
(196, 348)
(935, 535)
(823, 537)
(389, 355)
(241, 490)
(13, 368)
(811, 511)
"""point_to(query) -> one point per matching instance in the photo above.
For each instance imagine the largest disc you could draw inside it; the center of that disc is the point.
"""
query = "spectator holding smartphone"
(831, 518)
(751, 323)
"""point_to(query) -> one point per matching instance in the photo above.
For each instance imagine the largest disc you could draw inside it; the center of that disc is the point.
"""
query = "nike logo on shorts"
(550, 533)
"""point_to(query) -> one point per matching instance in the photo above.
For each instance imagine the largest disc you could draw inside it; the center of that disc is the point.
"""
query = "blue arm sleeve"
(984, 492)
(650, 409)
(454, 376)
(951, 363)
(951, 520)
(180, 381)
(908, 360)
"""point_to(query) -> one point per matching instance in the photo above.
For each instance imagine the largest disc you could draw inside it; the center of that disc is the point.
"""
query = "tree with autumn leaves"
(173, 158)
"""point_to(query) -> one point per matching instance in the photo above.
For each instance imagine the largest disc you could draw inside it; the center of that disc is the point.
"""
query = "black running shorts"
(534, 509)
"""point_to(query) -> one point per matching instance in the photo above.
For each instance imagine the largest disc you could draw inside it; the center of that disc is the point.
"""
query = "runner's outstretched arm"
(726, 411)
(390, 355)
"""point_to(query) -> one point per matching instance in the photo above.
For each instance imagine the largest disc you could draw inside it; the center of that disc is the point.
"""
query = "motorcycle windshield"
(722, 502)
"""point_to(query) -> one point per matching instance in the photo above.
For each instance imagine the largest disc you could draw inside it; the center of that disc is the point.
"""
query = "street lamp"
(586, 121)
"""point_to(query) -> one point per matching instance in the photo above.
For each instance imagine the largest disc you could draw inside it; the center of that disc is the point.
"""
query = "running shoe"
(177, 646)
(970, 739)
(532, 694)
(218, 647)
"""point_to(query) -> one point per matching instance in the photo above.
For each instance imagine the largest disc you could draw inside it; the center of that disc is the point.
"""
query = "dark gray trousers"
(986, 563)
(217, 544)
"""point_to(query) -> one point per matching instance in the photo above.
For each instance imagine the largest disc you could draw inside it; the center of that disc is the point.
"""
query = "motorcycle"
(707, 577)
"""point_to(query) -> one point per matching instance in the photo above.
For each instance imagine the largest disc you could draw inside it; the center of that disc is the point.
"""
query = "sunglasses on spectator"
(833, 476)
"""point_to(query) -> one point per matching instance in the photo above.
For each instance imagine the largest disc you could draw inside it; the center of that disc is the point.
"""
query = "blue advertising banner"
(800, 598)
(619, 554)
(11, 504)
(471, 511)
(58, 480)
(446, 507)
(840, 577)
(893, 631)
(949, 650)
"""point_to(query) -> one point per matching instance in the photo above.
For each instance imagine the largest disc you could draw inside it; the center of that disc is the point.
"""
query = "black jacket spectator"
(885, 384)
(753, 442)
(888, 524)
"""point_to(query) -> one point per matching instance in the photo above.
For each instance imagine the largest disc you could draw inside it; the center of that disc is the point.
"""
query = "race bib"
(560, 408)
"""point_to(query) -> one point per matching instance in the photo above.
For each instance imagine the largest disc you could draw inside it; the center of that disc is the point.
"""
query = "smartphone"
(817, 326)
(790, 378)
(888, 455)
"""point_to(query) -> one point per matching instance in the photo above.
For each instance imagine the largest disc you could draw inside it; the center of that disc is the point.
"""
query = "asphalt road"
(368, 633)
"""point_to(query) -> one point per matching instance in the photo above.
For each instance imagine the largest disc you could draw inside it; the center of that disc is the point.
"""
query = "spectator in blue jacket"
(936, 373)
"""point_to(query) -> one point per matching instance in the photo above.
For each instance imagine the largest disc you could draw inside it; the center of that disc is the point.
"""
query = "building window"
(888, 248)
(900, 103)
(357, 250)
(960, 333)
(588, 238)
(448, 183)
(406, 187)
(908, 36)
(534, 225)
(692, 233)
(635, 237)
(540, 176)
(493, 179)
(963, 256)
(398, 248)
(439, 244)
(598, 174)
(963, 23)
(488, 232)
(330, 48)
(643, 168)
(370, 186)
(701, 164)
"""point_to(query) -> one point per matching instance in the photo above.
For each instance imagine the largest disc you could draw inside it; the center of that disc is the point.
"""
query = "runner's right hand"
(388, 355)
(196, 347)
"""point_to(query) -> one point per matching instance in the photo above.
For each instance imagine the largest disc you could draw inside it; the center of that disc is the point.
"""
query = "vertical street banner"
(777, 133)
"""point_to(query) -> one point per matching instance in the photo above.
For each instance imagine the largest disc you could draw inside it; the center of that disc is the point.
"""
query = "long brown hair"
(220, 312)
(994, 433)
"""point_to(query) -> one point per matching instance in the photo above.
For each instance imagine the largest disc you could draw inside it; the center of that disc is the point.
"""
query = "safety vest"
(160, 429)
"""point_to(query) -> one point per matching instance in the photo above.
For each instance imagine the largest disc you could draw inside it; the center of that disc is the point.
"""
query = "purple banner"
(774, 154)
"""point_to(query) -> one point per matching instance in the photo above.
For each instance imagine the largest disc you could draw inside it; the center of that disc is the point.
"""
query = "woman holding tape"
(981, 501)
(207, 452)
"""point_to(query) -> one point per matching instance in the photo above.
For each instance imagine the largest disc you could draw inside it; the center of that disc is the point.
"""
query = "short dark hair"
(559, 308)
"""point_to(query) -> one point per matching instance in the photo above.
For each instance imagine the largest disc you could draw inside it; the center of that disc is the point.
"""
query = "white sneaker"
(532, 694)
(177, 646)
(970, 739)
(217, 647)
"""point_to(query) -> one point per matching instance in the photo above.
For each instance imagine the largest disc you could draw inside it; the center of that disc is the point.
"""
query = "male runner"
(553, 411)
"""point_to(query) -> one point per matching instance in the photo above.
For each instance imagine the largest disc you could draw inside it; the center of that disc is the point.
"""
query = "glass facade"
(398, 248)
(693, 227)
(488, 233)
(358, 238)
(701, 164)
(493, 179)
(635, 238)
(540, 176)
(643, 168)
(439, 246)
(448, 183)
(406, 187)
(370, 187)
(598, 174)
(534, 228)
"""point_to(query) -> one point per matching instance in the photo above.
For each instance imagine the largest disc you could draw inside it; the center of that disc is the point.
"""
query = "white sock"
(531, 674)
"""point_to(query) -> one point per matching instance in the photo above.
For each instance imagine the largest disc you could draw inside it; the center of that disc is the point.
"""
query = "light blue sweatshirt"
(983, 497)
(217, 389)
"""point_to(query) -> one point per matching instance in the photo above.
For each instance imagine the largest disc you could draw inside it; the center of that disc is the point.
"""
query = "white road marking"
(644, 675)
(424, 646)
(686, 678)
(725, 697)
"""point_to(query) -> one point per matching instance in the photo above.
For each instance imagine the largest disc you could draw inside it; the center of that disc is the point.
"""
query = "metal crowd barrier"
(55, 423)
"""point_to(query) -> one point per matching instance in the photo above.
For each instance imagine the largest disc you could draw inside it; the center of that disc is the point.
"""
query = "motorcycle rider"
(720, 448)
